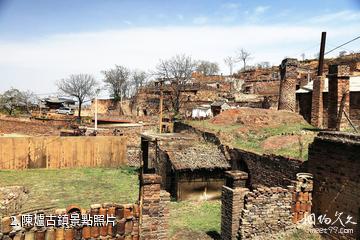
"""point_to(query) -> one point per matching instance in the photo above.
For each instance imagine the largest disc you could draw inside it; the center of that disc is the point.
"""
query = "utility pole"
(321, 55)
(161, 104)
(96, 108)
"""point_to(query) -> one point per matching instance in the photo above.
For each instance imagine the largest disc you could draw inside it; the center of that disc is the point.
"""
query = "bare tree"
(303, 56)
(243, 56)
(10, 100)
(117, 81)
(207, 68)
(79, 86)
(138, 79)
(177, 70)
(29, 99)
(230, 61)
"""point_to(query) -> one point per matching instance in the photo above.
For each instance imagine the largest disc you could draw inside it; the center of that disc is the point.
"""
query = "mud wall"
(62, 152)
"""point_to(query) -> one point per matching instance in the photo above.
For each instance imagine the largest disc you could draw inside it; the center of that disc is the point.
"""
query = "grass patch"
(251, 139)
(195, 216)
(82, 186)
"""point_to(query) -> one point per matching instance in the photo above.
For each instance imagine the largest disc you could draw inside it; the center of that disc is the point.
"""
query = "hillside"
(262, 131)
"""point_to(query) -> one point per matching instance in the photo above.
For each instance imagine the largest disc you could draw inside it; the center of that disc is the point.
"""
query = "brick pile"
(126, 225)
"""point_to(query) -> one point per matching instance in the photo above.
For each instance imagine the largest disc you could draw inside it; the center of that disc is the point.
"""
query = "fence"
(62, 152)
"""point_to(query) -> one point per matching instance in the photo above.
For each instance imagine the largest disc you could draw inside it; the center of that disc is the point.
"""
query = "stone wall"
(334, 161)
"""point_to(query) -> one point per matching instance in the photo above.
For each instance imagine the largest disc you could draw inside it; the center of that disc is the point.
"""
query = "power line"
(342, 45)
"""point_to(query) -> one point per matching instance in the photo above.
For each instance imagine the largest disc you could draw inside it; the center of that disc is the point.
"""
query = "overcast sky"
(42, 41)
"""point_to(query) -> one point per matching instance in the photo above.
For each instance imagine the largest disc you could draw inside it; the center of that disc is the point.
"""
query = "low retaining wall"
(147, 219)
(62, 152)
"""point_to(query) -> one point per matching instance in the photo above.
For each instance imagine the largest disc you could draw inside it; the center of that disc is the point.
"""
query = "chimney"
(288, 73)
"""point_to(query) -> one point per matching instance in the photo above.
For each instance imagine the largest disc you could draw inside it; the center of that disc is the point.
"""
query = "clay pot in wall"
(19, 236)
(86, 232)
(303, 207)
(294, 218)
(120, 227)
(300, 196)
(6, 225)
(50, 234)
(59, 234)
(69, 234)
(306, 196)
(119, 212)
(40, 235)
(297, 207)
(128, 227)
(103, 229)
(95, 231)
(30, 235)
(111, 212)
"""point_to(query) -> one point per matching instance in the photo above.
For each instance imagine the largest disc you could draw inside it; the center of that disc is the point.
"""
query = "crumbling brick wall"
(266, 211)
(154, 210)
(249, 214)
(334, 161)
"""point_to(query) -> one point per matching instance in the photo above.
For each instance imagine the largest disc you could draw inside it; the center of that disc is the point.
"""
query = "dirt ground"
(29, 127)
(255, 118)
(277, 142)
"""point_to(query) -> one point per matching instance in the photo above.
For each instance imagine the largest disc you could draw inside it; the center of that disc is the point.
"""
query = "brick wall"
(267, 170)
(334, 161)
(338, 89)
(266, 211)
(258, 213)
(154, 212)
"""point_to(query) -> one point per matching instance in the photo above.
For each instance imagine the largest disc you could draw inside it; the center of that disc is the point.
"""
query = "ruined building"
(189, 169)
